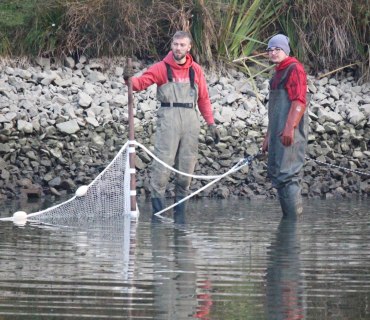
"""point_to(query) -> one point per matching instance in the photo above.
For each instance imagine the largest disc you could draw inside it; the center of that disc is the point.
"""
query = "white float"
(20, 218)
(81, 191)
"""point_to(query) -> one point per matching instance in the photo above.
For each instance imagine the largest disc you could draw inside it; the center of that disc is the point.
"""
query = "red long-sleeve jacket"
(296, 85)
(157, 73)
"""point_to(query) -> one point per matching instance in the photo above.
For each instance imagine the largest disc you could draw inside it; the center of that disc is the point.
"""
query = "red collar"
(285, 63)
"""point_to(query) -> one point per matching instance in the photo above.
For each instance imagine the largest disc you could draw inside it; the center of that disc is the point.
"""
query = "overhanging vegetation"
(325, 35)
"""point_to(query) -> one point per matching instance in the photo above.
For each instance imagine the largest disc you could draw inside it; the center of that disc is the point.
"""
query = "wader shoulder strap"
(287, 73)
(169, 72)
(191, 75)
(284, 77)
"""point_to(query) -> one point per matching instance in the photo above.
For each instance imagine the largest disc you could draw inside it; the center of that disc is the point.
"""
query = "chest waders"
(176, 140)
(285, 163)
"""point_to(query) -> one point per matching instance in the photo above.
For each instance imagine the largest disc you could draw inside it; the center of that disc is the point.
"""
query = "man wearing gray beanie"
(286, 136)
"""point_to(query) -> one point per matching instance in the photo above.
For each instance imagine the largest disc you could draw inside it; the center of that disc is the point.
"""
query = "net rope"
(201, 177)
(359, 172)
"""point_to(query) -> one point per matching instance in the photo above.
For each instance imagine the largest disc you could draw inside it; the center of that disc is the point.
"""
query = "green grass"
(16, 13)
(27, 27)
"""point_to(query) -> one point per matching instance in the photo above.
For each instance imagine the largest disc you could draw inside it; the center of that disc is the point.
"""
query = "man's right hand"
(128, 72)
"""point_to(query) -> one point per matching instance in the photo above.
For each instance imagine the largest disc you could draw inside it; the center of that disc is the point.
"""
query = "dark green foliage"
(324, 34)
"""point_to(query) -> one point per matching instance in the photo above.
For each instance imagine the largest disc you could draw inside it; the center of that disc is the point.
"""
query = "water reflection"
(175, 273)
(232, 260)
(181, 290)
(67, 272)
(285, 291)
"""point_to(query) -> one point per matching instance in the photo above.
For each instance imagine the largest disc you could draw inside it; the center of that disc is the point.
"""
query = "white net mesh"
(107, 197)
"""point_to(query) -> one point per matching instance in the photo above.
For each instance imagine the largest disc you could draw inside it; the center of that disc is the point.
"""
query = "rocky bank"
(62, 123)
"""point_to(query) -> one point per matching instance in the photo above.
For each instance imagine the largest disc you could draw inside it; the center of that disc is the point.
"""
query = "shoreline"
(60, 125)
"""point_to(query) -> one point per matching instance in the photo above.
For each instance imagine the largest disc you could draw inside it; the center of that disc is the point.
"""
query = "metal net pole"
(131, 144)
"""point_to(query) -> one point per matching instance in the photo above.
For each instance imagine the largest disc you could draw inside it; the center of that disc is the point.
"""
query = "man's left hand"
(214, 133)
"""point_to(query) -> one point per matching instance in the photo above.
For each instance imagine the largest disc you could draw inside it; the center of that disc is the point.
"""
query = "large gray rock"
(68, 127)
(24, 126)
(84, 100)
(328, 116)
(356, 117)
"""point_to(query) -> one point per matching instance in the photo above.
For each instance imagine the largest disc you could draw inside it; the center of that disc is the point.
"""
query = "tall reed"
(328, 34)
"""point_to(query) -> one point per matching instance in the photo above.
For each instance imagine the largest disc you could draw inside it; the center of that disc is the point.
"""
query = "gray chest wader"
(176, 140)
(285, 163)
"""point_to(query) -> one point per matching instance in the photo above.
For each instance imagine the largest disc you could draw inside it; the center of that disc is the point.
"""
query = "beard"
(179, 56)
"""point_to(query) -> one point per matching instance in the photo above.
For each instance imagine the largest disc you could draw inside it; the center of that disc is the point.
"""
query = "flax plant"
(240, 36)
(242, 26)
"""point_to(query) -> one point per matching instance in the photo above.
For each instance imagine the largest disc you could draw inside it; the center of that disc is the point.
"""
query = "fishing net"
(105, 198)
(108, 196)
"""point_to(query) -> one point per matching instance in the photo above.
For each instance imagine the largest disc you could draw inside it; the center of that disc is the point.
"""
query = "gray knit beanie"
(279, 41)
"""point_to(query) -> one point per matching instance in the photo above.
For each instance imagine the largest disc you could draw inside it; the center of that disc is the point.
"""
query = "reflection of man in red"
(205, 301)
(293, 309)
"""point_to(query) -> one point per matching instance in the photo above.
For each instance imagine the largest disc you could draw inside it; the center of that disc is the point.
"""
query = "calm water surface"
(234, 259)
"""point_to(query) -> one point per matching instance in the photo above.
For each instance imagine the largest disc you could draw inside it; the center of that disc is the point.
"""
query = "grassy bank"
(325, 35)
(15, 13)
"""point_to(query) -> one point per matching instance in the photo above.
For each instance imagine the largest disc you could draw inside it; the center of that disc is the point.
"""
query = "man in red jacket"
(287, 129)
(181, 88)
